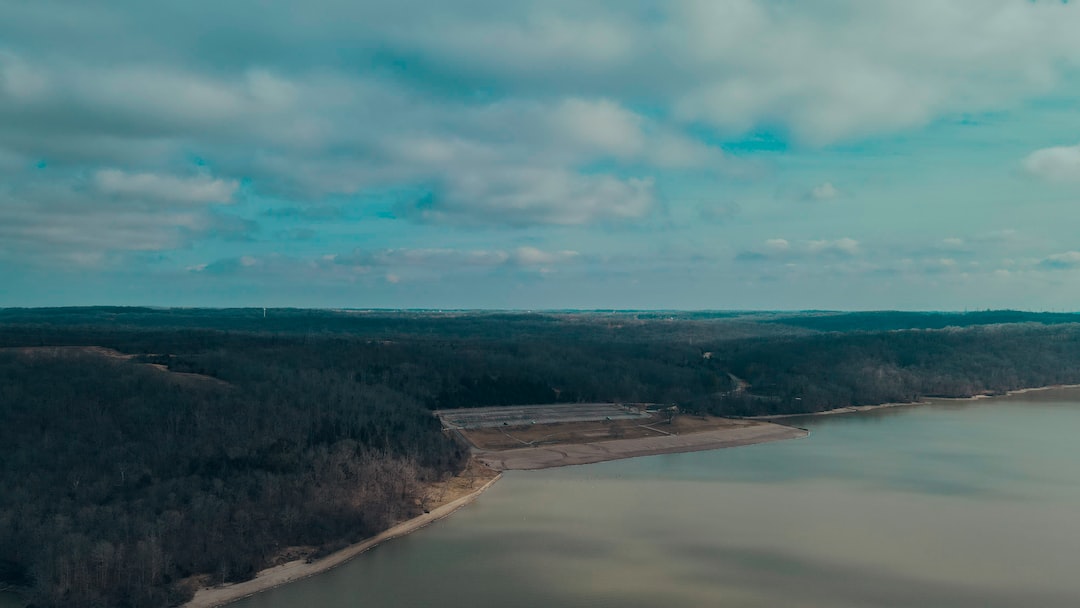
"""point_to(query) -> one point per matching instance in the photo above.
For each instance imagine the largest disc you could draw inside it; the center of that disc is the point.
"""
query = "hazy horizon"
(447, 309)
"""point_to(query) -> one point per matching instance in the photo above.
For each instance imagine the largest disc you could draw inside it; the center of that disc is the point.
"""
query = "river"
(953, 504)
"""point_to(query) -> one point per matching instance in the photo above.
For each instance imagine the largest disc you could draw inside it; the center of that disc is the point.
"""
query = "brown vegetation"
(69, 352)
(549, 456)
(280, 574)
(561, 433)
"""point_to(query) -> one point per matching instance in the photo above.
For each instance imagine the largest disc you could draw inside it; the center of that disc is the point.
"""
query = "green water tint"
(10, 600)
(955, 504)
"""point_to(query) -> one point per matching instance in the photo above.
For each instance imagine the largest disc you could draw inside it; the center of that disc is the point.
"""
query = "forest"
(143, 447)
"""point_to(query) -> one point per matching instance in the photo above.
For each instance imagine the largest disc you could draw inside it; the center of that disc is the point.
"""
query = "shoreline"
(562, 455)
(1019, 391)
(543, 458)
(289, 572)
(854, 409)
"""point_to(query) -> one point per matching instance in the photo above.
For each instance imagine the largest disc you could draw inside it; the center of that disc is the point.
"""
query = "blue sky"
(733, 154)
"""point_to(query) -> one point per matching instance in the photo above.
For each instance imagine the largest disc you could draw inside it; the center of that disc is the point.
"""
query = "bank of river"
(948, 504)
(866, 408)
(211, 597)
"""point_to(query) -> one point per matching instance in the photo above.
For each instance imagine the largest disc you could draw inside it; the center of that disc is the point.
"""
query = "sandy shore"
(839, 410)
(295, 570)
(1019, 391)
(543, 458)
(600, 451)
(928, 400)
(501, 460)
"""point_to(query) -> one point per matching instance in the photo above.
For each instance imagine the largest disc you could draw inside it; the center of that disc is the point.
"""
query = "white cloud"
(670, 149)
(432, 257)
(535, 36)
(542, 91)
(844, 246)
(608, 128)
(600, 124)
(535, 112)
(823, 192)
(824, 71)
(20, 82)
(402, 263)
(62, 219)
(1061, 261)
(531, 256)
(156, 187)
(938, 265)
(784, 250)
(510, 161)
(1059, 164)
(834, 73)
(522, 196)
(777, 245)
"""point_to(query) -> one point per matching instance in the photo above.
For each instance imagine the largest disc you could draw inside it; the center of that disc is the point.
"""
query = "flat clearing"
(583, 453)
(545, 436)
(109, 353)
(591, 431)
(513, 415)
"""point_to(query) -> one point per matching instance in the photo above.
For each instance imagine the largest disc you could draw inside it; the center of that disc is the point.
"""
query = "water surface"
(954, 504)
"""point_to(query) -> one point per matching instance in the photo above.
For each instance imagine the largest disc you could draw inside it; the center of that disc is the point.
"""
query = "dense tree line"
(612, 325)
(832, 370)
(891, 320)
(121, 480)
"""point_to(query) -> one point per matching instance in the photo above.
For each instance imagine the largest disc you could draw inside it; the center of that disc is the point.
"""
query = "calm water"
(9, 600)
(961, 504)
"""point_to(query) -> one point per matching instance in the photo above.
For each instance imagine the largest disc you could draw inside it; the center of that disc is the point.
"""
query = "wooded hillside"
(228, 437)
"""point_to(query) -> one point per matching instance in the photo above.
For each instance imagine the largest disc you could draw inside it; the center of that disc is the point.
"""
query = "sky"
(627, 154)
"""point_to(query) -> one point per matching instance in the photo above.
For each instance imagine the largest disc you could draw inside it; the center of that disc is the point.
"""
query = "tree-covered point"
(313, 428)
(826, 371)
(120, 480)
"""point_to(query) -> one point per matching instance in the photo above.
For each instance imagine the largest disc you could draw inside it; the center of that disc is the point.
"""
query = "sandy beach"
(1019, 391)
(208, 597)
(584, 453)
(928, 400)
(840, 410)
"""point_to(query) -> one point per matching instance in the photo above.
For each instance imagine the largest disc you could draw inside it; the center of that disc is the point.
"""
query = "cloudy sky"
(844, 154)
